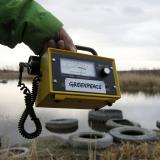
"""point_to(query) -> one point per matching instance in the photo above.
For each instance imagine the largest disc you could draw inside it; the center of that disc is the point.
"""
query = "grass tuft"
(131, 151)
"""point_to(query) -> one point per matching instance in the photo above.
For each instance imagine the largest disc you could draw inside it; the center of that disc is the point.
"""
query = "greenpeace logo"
(85, 85)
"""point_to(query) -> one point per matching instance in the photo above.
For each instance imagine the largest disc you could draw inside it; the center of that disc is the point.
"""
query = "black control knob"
(106, 71)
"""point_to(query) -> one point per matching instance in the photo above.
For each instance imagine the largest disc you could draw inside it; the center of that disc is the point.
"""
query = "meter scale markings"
(77, 67)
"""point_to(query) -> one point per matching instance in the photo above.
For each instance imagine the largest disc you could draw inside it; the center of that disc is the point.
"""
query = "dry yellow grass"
(128, 151)
(144, 81)
(53, 149)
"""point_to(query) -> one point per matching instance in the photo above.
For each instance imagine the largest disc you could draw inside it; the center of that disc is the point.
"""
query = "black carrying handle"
(88, 49)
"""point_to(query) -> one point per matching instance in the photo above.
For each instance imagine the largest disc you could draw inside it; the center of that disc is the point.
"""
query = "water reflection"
(136, 107)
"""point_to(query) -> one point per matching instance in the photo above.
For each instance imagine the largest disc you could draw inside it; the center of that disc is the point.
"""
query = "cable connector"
(22, 65)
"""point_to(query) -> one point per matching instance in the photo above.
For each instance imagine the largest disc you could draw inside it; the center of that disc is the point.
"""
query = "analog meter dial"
(77, 67)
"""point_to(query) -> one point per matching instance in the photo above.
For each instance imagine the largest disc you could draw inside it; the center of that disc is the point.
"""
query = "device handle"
(83, 48)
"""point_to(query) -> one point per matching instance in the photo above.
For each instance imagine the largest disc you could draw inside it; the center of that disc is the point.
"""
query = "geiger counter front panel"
(82, 74)
(76, 80)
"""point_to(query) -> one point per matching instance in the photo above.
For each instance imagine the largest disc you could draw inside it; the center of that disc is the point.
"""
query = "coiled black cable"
(29, 111)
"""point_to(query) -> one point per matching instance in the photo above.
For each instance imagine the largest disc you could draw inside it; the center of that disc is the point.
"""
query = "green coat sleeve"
(26, 21)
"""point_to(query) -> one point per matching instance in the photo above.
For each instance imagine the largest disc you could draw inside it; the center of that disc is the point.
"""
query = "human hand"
(63, 41)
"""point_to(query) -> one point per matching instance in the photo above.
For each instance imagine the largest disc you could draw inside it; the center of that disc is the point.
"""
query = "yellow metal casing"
(49, 97)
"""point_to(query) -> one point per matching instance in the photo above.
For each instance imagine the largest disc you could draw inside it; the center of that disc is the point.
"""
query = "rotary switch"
(106, 71)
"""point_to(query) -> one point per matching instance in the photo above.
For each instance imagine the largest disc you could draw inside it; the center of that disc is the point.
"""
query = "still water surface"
(140, 108)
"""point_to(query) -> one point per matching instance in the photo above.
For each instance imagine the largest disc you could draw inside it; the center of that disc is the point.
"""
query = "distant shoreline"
(147, 81)
(11, 75)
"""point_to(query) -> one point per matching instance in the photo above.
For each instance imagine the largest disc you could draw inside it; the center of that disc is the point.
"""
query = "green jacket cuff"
(39, 27)
(26, 21)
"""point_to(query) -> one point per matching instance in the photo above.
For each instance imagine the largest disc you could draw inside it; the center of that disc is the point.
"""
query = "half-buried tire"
(62, 125)
(15, 152)
(94, 139)
(132, 134)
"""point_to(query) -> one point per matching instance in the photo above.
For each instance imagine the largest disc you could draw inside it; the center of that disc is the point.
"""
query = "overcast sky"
(127, 30)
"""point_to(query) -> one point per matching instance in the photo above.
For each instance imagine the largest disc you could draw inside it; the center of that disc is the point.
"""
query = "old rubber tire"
(113, 123)
(132, 134)
(0, 141)
(18, 152)
(62, 125)
(85, 139)
(104, 115)
(158, 124)
(97, 126)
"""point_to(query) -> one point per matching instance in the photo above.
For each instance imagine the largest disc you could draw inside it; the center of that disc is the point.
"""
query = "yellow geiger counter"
(73, 80)
(76, 80)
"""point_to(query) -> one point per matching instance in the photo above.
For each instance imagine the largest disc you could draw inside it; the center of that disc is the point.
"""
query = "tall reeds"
(147, 81)
(143, 81)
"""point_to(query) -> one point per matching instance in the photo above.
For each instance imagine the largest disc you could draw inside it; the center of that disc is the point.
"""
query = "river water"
(141, 108)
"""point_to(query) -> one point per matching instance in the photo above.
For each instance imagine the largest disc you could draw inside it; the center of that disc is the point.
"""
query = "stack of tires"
(97, 119)
(81, 139)
(112, 121)
(109, 127)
